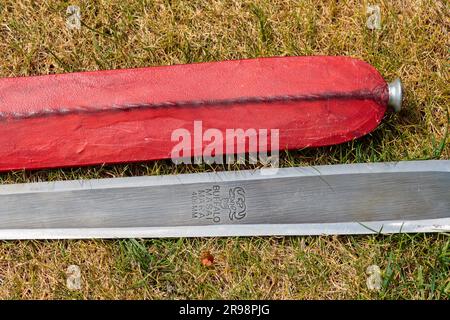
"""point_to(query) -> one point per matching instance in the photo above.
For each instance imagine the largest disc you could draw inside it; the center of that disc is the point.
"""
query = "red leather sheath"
(129, 115)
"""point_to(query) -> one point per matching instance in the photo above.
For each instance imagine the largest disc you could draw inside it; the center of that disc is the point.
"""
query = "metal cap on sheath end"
(395, 94)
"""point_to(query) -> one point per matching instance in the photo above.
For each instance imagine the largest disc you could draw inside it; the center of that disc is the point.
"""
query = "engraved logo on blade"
(235, 203)
(216, 203)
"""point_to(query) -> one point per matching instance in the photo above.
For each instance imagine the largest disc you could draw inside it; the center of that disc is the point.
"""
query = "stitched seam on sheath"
(356, 95)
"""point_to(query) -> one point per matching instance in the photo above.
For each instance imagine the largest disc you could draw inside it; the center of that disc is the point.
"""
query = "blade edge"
(346, 228)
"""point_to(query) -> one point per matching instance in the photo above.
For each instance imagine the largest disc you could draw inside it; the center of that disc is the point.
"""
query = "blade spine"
(227, 176)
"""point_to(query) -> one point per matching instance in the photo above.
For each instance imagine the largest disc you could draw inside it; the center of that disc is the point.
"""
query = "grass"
(412, 44)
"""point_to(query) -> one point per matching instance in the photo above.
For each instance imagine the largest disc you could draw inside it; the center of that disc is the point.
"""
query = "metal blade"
(339, 199)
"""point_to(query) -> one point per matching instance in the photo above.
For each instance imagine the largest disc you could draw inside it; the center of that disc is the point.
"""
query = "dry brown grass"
(244, 268)
(412, 44)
